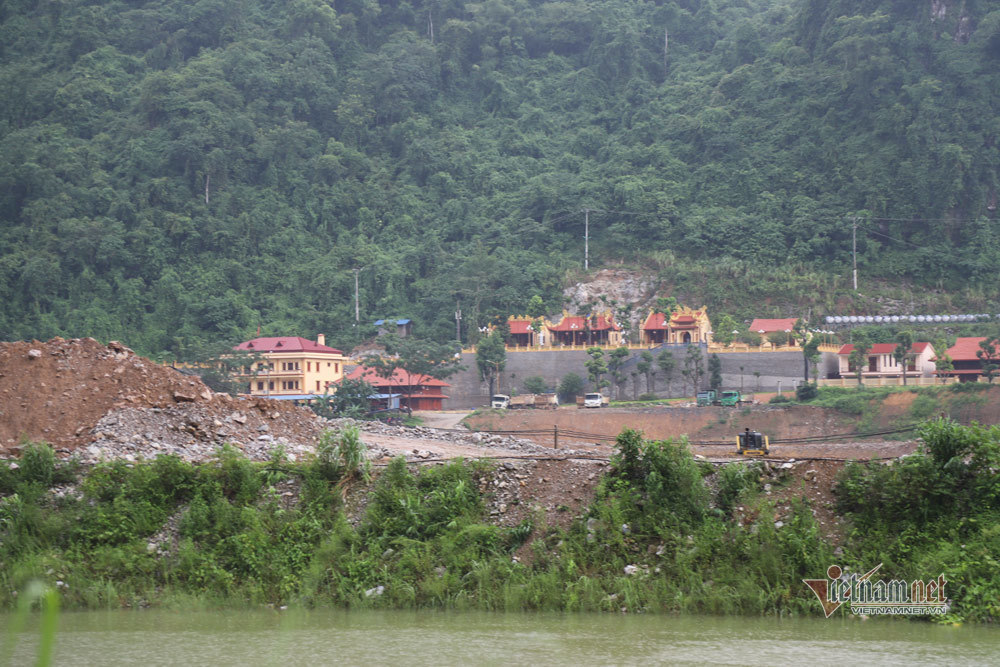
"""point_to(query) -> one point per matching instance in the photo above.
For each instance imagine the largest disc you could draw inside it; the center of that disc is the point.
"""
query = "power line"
(936, 219)
(892, 238)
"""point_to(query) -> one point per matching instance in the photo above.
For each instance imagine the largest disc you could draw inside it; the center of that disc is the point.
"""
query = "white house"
(881, 363)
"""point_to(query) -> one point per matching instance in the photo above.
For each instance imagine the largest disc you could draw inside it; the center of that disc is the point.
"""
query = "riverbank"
(656, 530)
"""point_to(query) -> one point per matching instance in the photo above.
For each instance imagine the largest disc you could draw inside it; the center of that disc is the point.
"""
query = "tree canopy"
(176, 174)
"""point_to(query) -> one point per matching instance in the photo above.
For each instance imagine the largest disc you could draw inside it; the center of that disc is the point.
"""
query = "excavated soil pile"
(80, 395)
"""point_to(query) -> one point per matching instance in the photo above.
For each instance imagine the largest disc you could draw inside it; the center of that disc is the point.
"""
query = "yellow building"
(685, 325)
(290, 367)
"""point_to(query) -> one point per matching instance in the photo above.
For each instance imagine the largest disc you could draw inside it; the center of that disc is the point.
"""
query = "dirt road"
(715, 425)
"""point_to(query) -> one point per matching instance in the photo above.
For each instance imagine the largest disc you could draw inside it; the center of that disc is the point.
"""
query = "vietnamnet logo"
(865, 596)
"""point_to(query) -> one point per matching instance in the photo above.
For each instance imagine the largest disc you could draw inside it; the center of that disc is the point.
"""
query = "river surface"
(471, 638)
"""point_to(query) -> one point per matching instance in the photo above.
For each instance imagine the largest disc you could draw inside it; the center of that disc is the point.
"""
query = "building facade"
(290, 367)
(522, 331)
(684, 325)
(765, 327)
(968, 367)
(596, 329)
(880, 361)
(417, 392)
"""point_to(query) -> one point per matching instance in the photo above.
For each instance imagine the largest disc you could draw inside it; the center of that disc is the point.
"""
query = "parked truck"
(524, 401)
(730, 398)
(594, 400)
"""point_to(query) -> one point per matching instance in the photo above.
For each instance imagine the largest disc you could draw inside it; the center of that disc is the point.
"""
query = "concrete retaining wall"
(467, 390)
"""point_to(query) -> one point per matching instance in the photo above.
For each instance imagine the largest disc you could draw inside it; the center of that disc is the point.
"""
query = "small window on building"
(260, 386)
(317, 386)
(336, 368)
(270, 385)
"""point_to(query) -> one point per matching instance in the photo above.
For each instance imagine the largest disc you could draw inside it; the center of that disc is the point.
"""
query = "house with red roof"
(290, 367)
(684, 325)
(880, 361)
(596, 329)
(522, 331)
(764, 326)
(968, 367)
(418, 392)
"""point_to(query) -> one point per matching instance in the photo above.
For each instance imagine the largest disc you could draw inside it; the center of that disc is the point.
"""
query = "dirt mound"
(194, 431)
(58, 392)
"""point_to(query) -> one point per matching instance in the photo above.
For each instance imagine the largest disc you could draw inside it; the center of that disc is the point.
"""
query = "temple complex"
(684, 325)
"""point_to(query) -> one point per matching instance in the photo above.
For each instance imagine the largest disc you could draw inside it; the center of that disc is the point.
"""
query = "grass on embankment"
(964, 402)
(657, 538)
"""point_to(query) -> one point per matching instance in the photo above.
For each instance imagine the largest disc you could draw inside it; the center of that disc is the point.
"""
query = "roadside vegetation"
(665, 533)
(956, 401)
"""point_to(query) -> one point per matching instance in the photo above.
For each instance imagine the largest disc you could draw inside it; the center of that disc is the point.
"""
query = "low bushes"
(664, 533)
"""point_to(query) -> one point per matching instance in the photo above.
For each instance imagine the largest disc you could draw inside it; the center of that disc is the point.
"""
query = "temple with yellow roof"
(684, 325)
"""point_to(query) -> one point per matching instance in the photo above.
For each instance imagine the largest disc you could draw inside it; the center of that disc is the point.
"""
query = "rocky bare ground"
(102, 402)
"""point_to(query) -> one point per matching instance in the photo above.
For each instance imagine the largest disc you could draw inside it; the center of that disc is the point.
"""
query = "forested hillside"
(179, 173)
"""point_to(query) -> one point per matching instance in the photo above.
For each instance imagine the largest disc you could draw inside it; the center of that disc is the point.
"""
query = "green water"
(435, 638)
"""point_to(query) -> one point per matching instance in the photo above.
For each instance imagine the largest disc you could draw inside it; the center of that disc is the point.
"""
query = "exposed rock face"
(939, 9)
(614, 285)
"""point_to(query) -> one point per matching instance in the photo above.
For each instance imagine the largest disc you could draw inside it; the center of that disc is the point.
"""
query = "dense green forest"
(175, 174)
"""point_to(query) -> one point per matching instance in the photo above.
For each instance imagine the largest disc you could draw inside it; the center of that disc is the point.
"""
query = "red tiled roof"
(400, 378)
(771, 326)
(658, 321)
(579, 323)
(655, 321)
(520, 326)
(885, 348)
(284, 344)
(965, 349)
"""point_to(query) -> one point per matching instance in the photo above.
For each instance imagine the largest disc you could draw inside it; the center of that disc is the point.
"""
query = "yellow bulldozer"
(752, 443)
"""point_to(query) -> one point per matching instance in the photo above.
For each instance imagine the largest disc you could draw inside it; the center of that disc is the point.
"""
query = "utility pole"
(666, 47)
(854, 250)
(458, 322)
(586, 239)
(357, 303)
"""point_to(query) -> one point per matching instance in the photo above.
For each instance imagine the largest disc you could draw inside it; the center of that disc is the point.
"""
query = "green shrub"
(536, 384)
(968, 387)
(340, 454)
(38, 463)
(923, 406)
(421, 507)
(736, 480)
(238, 477)
(946, 440)
(570, 386)
(806, 392)
(780, 398)
(658, 482)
